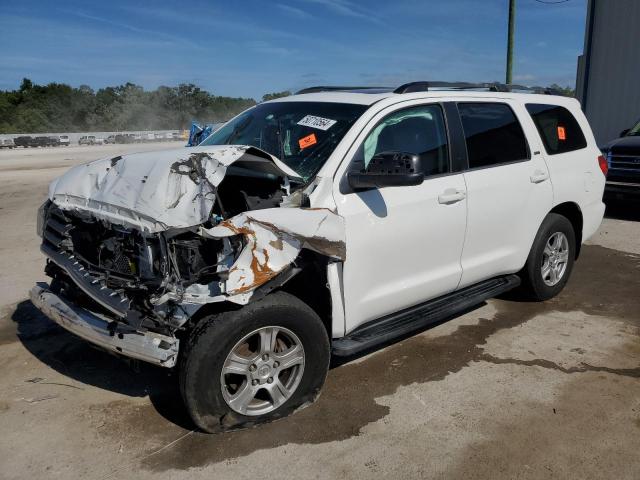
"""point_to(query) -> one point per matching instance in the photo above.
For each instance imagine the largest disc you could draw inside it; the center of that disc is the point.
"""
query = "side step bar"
(417, 318)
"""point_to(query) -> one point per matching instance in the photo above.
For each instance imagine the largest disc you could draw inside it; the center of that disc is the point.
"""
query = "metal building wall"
(609, 81)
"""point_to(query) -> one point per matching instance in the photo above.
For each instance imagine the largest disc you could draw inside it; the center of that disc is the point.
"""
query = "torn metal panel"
(274, 239)
(155, 191)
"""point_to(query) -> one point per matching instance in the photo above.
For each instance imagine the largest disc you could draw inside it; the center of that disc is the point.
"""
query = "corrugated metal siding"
(613, 97)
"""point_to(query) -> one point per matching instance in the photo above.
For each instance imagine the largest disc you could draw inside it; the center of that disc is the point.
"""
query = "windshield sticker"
(307, 141)
(317, 122)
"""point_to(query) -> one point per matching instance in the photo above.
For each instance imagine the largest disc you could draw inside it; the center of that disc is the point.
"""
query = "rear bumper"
(146, 346)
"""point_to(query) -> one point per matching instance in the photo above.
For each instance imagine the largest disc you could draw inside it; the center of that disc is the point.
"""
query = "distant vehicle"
(87, 140)
(137, 138)
(23, 141)
(40, 142)
(110, 139)
(43, 141)
(7, 143)
(623, 158)
(98, 141)
(64, 140)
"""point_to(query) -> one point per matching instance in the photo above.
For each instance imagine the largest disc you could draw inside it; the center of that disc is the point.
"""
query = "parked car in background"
(64, 140)
(87, 140)
(44, 141)
(23, 141)
(40, 141)
(7, 143)
(623, 159)
(326, 223)
(110, 139)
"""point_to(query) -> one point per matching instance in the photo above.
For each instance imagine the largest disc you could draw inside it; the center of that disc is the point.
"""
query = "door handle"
(539, 176)
(451, 195)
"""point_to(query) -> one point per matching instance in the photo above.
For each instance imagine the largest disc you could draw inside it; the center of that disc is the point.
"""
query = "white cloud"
(293, 11)
(346, 9)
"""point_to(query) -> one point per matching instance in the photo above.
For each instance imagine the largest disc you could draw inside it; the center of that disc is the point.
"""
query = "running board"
(417, 318)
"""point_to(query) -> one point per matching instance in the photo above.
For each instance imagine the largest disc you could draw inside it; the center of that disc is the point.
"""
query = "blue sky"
(249, 47)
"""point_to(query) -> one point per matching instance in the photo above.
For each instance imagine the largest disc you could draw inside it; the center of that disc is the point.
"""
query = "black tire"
(533, 284)
(215, 336)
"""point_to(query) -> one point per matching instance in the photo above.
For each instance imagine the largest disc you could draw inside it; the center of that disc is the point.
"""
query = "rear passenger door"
(508, 188)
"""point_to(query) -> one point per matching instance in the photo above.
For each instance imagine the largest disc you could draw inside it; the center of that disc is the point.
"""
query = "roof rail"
(492, 87)
(426, 86)
(337, 89)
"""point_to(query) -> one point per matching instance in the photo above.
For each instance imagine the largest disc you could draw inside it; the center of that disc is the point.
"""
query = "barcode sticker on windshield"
(317, 122)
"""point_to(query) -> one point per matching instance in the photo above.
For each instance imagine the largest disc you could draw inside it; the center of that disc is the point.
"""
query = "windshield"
(301, 134)
(635, 130)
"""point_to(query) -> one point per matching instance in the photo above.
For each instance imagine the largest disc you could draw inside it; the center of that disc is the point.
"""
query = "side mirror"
(624, 132)
(388, 169)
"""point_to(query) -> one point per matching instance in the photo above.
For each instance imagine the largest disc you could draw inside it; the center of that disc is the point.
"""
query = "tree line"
(57, 107)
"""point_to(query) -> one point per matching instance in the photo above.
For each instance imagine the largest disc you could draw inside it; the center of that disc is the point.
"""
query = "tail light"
(604, 166)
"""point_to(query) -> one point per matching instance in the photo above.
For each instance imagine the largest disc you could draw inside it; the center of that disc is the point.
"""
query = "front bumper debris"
(146, 346)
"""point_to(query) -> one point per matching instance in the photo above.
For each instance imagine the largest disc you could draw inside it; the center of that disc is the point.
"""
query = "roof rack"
(492, 87)
(338, 89)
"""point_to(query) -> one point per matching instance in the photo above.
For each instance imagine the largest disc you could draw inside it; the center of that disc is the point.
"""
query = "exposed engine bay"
(149, 241)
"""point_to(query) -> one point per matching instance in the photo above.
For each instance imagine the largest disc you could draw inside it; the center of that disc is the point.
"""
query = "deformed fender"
(274, 238)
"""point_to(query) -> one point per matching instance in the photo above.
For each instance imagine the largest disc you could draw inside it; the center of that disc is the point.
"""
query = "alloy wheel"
(262, 370)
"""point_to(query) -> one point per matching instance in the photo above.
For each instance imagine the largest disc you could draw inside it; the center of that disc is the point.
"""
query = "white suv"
(325, 223)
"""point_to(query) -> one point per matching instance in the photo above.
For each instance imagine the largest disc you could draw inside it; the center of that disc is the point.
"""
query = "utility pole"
(512, 18)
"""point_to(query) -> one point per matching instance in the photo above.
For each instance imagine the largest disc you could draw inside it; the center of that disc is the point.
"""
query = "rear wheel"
(253, 365)
(551, 259)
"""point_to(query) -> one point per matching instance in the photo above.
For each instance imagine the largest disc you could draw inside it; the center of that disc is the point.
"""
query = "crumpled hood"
(155, 191)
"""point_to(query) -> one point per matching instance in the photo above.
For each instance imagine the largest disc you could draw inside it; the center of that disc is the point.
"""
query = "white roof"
(371, 98)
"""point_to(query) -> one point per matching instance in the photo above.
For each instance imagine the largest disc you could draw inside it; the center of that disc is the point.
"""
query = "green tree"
(272, 96)
(58, 107)
(566, 91)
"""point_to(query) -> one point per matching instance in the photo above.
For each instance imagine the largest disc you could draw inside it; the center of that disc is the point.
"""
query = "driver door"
(404, 244)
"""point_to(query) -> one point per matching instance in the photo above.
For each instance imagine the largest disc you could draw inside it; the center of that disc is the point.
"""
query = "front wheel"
(253, 365)
(551, 259)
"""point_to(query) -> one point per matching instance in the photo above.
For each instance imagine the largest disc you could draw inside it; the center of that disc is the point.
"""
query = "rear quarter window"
(558, 128)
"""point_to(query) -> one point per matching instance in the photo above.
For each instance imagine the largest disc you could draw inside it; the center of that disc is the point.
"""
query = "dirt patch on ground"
(348, 402)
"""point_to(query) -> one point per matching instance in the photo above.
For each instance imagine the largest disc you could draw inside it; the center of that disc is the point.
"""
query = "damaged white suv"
(326, 223)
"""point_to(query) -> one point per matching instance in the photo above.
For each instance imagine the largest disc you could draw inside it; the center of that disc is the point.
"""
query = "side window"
(558, 128)
(418, 130)
(493, 134)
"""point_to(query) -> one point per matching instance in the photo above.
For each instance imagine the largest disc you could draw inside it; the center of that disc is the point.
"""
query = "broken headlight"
(42, 217)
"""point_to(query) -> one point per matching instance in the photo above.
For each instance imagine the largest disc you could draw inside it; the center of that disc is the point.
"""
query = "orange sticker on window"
(562, 135)
(307, 141)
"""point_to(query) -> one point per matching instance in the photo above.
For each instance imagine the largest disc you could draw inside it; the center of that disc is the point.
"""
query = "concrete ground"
(509, 390)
